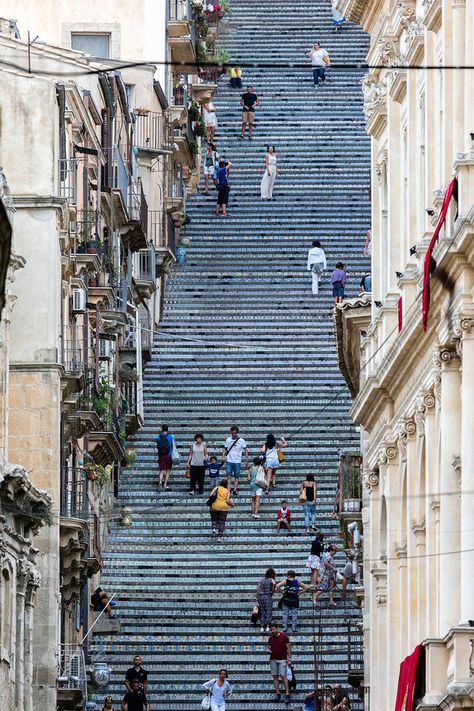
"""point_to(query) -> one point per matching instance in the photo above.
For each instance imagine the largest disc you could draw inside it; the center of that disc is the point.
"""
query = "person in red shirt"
(284, 516)
(279, 647)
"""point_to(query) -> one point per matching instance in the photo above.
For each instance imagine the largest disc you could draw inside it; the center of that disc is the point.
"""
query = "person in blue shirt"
(223, 187)
(214, 468)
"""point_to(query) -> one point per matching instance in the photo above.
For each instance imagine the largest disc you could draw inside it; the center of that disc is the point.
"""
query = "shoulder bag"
(206, 702)
(302, 497)
(280, 455)
(231, 446)
(211, 498)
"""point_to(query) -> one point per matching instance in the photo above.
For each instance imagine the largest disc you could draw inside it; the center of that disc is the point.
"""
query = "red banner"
(407, 680)
(400, 314)
(427, 271)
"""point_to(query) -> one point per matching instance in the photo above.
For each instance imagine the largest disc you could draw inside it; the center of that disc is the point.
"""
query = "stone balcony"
(449, 672)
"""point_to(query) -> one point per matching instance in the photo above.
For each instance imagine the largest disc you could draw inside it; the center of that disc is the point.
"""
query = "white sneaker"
(262, 629)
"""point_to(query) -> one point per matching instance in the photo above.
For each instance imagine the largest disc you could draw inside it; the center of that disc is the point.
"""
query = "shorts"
(338, 288)
(278, 667)
(257, 492)
(164, 462)
(209, 170)
(248, 117)
(223, 194)
(233, 468)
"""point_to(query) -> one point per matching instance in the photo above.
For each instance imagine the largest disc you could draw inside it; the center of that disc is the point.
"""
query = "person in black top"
(314, 561)
(248, 101)
(135, 700)
(138, 673)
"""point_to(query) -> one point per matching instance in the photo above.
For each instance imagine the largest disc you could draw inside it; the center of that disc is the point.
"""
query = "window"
(97, 45)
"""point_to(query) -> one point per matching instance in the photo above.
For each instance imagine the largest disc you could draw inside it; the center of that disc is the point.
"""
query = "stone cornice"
(23, 499)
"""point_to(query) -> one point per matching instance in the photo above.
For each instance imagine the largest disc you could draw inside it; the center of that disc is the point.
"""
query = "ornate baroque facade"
(414, 390)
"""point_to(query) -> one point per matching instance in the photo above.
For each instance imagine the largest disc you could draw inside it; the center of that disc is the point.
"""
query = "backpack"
(163, 444)
(291, 591)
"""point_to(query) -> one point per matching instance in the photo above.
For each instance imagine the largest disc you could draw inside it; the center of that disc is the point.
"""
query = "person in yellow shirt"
(236, 78)
(221, 503)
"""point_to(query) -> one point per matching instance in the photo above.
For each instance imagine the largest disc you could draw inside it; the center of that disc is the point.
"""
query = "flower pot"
(91, 475)
(130, 456)
(103, 279)
(351, 505)
(91, 250)
(93, 282)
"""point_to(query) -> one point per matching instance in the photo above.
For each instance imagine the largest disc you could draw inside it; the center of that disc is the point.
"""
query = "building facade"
(108, 155)
(408, 352)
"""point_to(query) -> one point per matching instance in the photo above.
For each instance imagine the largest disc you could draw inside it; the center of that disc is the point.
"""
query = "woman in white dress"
(210, 119)
(269, 177)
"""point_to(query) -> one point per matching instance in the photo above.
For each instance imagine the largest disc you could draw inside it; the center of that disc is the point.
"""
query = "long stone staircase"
(243, 341)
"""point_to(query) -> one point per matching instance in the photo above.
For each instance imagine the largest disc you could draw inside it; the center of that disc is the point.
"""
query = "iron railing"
(138, 206)
(145, 264)
(74, 501)
(155, 227)
(179, 10)
(129, 392)
(120, 175)
(148, 132)
(73, 356)
(68, 179)
(349, 492)
(171, 235)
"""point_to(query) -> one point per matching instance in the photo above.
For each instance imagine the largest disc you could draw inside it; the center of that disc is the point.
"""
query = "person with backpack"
(222, 184)
(292, 589)
(164, 445)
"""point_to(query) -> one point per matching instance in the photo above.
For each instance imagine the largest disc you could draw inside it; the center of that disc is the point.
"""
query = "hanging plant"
(200, 127)
(194, 111)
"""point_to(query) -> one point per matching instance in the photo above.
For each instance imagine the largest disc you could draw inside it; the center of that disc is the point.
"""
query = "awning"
(430, 265)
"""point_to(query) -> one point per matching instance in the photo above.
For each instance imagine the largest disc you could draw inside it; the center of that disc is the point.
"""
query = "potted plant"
(351, 500)
(93, 280)
(103, 278)
(141, 111)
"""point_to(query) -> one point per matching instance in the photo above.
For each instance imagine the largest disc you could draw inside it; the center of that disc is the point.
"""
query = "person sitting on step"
(284, 516)
(100, 602)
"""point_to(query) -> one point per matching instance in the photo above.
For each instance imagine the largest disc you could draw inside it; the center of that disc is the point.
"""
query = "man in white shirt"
(316, 264)
(234, 446)
(319, 61)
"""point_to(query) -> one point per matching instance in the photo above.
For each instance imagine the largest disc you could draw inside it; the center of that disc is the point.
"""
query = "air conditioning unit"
(79, 300)
(105, 349)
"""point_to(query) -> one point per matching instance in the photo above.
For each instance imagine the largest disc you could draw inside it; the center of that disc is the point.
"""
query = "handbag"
(302, 497)
(255, 616)
(175, 455)
(206, 702)
(280, 455)
(326, 60)
(187, 473)
(211, 498)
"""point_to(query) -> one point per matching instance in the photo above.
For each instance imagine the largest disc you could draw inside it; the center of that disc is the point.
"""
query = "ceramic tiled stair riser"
(258, 350)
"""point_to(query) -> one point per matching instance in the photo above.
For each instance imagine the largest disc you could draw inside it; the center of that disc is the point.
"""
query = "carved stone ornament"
(429, 400)
(23, 574)
(420, 419)
(388, 51)
(370, 479)
(402, 445)
(375, 95)
(407, 13)
(387, 452)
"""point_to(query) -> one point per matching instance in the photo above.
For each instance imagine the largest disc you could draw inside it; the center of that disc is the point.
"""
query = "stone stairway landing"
(243, 341)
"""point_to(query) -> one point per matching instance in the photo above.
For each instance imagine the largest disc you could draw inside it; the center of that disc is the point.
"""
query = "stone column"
(450, 445)
(23, 572)
(33, 585)
(467, 470)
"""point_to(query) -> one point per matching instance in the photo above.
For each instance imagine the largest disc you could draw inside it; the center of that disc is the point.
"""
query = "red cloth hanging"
(407, 680)
(425, 301)
(400, 313)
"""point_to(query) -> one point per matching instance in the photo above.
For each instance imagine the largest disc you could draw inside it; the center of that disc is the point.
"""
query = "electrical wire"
(123, 65)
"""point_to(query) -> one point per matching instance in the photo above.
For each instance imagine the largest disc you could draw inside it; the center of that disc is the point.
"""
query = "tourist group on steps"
(261, 476)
